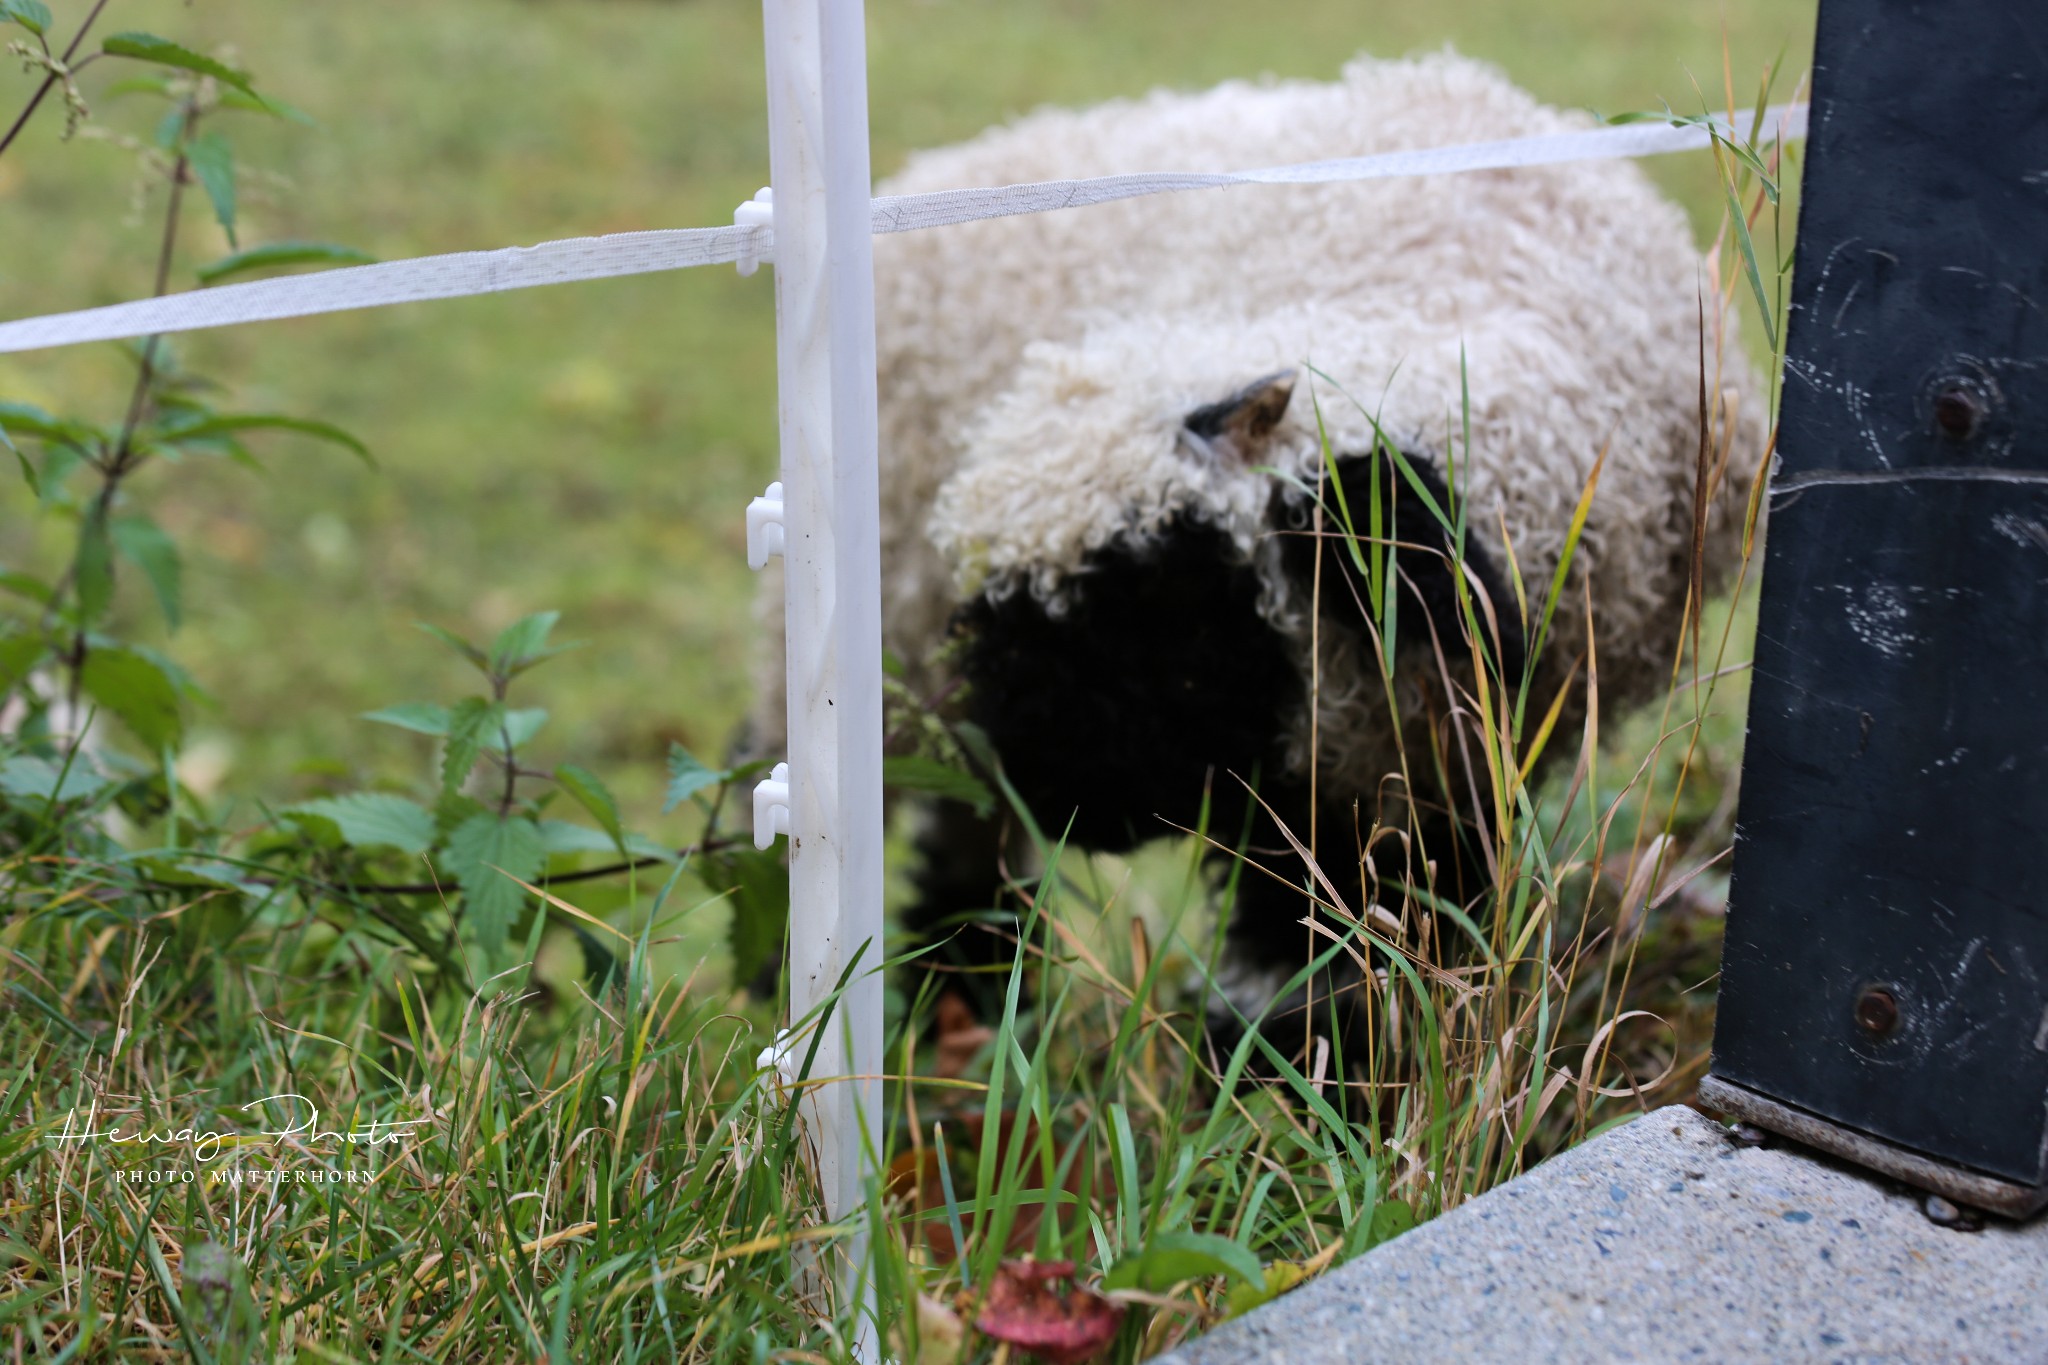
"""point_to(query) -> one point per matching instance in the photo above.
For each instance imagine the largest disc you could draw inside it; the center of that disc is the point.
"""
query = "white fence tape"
(464, 273)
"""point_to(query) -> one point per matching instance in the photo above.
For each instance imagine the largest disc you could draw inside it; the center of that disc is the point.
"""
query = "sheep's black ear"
(1239, 427)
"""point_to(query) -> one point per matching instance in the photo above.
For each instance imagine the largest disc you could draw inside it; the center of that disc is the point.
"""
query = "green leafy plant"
(61, 648)
(443, 873)
(496, 841)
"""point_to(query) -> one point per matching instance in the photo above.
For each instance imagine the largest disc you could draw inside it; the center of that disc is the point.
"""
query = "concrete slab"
(1665, 1241)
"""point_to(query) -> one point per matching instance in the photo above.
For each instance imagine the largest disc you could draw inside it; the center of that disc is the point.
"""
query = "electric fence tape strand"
(463, 273)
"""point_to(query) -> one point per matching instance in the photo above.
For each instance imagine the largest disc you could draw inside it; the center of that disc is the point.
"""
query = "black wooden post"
(1884, 989)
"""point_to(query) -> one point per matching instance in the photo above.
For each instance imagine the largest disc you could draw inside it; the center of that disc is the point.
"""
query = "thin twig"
(51, 79)
(587, 874)
(124, 459)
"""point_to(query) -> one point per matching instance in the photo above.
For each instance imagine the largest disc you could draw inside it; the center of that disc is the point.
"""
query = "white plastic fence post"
(825, 362)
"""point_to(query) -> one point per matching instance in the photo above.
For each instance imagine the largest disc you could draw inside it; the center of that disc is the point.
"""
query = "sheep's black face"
(1158, 678)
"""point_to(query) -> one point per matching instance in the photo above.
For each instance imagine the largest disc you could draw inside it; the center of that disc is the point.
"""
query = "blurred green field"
(591, 447)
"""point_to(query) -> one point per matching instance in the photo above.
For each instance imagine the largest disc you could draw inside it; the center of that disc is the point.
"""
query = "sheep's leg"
(1266, 943)
(971, 942)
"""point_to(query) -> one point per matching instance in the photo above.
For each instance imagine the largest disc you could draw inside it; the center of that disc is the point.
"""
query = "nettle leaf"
(640, 846)
(93, 569)
(687, 776)
(213, 161)
(26, 585)
(179, 400)
(456, 643)
(225, 425)
(19, 655)
(234, 450)
(254, 103)
(273, 255)
(137, 689)
(420, 717)
(1281, 1276)
(26, 419)
(481, 852)
(595, 797)
(160, 86)
(59, 462)
(373, 820)
(472, 723)
(205, 871)
(916, 773)
(1172, 1257)
(559, 836)
(187, 685)
(1390, 1220)
(32, 15)
(451, 809)
(180, 432)
(756, 885)
(147, 47)
(523, 725)
(38, 779)
(145, 545)
(523, 644)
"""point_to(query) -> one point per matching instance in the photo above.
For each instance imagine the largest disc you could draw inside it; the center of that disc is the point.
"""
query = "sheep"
(1100, 478)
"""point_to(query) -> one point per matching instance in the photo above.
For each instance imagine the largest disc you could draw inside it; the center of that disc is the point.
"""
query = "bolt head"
(1877, 1012)
(1957, 410)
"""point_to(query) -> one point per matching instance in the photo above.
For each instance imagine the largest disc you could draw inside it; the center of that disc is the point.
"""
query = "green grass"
(603, 1179)
(616, 1181)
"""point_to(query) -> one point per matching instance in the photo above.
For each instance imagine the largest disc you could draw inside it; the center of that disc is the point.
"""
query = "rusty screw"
(1957, 410)
(1877, 1012)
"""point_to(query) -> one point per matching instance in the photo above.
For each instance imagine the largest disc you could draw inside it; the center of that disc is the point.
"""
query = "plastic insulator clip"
(771, 807)
(758, 212)
(781, 1062)
(765, 535)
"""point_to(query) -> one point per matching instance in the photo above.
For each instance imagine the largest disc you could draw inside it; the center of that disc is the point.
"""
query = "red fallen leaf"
(961, 1036)
(1024, 1309)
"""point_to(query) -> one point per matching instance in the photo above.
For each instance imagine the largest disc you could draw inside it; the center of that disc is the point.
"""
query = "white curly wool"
(1035, 371)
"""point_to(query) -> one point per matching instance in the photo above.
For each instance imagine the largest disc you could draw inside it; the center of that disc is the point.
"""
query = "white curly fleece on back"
(1035, 371)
